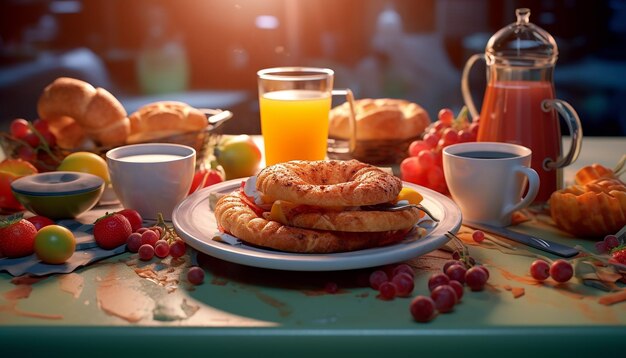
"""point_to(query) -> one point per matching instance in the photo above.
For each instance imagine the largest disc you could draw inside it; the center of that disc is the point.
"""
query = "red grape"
(149, 237)
(450, 263)
(457, 273)
(423, 309)
(387, 290)
(133, 243)
(195, 275)
(458, 288)
(611, 241)
(476, 278)
(177, 248)
(377, 278)
(481, 267)
(146, 252)
(437, 279)
(444, 297)
(426, 159)
(432, 139)
(32, 139)
(404, 284)
(540, 270)
(19, 128)
(478, 236)
(601, 247)
(446, 116)
(561, 271)
(403, 268)
(417, 147)
(161, 248)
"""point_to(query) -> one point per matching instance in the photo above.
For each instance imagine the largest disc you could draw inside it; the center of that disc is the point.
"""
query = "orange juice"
(294, 124)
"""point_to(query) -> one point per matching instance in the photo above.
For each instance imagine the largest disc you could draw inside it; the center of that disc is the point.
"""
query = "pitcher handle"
(467, 96)
(575, 129)
(350, 99)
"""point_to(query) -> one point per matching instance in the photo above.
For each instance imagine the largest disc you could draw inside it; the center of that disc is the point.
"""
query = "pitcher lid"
(522, 43)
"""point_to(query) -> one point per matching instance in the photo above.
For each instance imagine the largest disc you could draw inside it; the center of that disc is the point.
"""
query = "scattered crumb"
(613, 298)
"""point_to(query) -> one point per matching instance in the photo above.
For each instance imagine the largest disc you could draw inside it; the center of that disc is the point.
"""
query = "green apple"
(239, 156)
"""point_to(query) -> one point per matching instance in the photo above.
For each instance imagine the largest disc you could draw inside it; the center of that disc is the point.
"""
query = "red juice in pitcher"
(512, 112)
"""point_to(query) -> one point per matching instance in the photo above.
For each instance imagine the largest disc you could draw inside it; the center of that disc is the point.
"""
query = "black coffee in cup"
(486, 154)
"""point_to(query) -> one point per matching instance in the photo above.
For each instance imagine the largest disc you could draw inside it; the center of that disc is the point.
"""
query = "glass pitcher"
(519, 105)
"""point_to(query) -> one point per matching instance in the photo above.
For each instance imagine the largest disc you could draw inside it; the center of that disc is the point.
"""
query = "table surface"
(122, 305)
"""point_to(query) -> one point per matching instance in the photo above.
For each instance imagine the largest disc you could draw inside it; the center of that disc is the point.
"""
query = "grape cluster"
(395, 281)
(155, 241)
(424, 165)
(35, 143)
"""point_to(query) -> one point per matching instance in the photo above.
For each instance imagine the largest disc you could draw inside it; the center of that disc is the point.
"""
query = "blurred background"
(207, 52)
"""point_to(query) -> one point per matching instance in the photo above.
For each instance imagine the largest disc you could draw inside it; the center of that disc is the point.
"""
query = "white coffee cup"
(151, 178)
(487, 180)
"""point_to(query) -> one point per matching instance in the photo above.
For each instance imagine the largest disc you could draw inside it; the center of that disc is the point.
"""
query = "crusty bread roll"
(379, 119)
(75, 109)
(163, 119)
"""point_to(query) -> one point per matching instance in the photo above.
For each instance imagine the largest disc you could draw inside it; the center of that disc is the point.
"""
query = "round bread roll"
(163, 119)
(379, 119)
(75, 109)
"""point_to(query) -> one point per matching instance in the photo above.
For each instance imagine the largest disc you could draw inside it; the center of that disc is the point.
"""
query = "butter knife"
(532, 241)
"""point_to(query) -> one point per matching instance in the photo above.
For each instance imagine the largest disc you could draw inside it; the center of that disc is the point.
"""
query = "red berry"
(417, 146)
(17, 238)
(195, 275)
(40, 221)
(387, 290)
(146, 252)
(403, 268)
(482, 268)
(423, 309)
(444, 297)
(561, 271)
(377, 278)
(158, 229)
(149, 237)
(476, 278)
(437, 279)
(177, 248)
(611, 241)
(457, 273)
(619, 256)
(601, 247)
(540, 270)
(446, 116)
(133, 242)
(19, 128)
(111, 231)
(404, 284)
(134, 218)
(478, 236)
(458, 288)
(161, 248)
(431, 139)
(450, 263)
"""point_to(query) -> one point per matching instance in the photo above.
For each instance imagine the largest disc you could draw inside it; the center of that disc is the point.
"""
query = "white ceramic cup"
(151, 178)
(488, 190)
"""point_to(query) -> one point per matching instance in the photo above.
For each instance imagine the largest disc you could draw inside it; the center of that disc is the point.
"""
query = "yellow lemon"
(86, 162)
(410, 195)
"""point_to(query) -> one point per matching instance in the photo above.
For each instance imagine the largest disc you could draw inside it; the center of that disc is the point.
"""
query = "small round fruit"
(40, 221)
(540, 270)
(195, 275)
(476, 278)
(239, 156)
(561, 271)
(437, 279)
(423, 309)
(387, 290)
(86, 162)
(457, 273)
(54, 244)
(404, 284)
(377, 278)
(458, 288)
(444, 297)
(134, 218)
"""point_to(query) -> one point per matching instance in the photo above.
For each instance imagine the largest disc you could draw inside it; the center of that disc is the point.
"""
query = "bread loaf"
(75, 109)
(379, 119)
(163, 119)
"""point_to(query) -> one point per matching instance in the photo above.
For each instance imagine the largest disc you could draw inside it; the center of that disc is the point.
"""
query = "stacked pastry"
(318, 207)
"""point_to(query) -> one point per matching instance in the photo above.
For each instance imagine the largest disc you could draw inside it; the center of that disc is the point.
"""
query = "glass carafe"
(519, 104)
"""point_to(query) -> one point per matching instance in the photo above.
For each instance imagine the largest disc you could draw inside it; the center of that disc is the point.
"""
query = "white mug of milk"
(151, 178)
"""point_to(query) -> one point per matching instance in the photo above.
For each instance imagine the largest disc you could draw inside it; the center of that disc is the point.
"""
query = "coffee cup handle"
(352, 120)
(533, 189)
(467, 96)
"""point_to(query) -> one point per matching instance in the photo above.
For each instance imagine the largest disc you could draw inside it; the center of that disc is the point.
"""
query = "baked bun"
(75, 109)
(379, 119)
(162, 119)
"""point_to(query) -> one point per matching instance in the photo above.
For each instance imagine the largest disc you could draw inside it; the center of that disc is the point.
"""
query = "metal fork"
(385, 207)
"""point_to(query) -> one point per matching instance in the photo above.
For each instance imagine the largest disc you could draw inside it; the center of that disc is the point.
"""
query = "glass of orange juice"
(295, 103)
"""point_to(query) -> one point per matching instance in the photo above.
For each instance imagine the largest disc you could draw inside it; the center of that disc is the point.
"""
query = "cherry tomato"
(212, 177)
(54, 244)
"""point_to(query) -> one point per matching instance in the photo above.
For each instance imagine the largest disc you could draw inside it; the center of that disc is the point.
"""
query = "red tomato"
(204, 178)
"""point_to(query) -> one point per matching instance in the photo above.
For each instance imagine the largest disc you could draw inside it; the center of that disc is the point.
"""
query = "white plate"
(195, 222)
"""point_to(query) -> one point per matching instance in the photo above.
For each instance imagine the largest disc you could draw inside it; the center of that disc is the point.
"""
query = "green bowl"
(58, 195)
